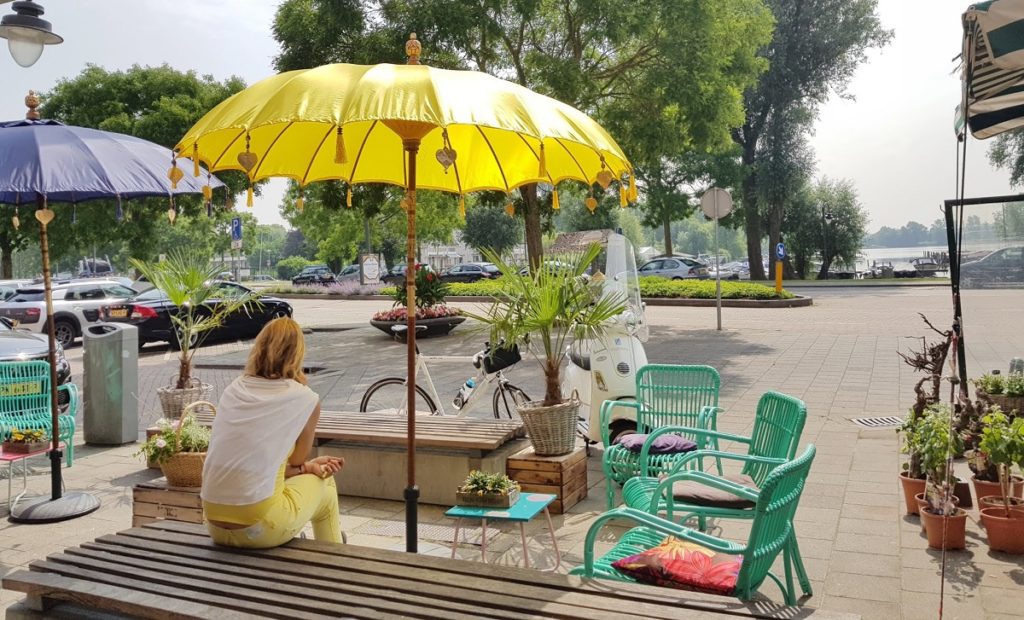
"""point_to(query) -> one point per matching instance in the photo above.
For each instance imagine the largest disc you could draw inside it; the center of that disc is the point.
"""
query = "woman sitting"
(259, 489)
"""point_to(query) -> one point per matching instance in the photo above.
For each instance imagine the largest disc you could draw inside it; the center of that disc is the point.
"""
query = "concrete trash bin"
(111, 384)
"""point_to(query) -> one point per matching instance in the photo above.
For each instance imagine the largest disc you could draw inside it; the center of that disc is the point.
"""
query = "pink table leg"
(483, 541)
(526, 555)
(455, 539)
(554, 541)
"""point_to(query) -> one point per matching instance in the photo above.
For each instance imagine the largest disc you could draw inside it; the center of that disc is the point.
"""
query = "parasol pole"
(412, 492)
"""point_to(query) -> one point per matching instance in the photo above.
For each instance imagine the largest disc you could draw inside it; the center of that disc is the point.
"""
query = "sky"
(894, 140)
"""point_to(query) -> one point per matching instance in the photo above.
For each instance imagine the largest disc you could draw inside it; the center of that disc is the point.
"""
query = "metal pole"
(824, 236)
(718, 273)
(412, 492)
(259, 264)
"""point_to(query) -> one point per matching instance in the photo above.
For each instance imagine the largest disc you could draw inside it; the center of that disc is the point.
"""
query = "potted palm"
(936, 442)
(1002, 443)
(199, 304)
(543, 310)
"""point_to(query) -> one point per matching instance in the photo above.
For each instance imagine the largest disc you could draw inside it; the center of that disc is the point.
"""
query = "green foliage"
(650, 287)
(188, 281)
(488, 226)
(169, 441)
(483, 483)
(991, 384)
(1002, 443)
(1015, 384)
(809, 234)
(290, 267)
(930, 440)
(430, 289)
(546, 308)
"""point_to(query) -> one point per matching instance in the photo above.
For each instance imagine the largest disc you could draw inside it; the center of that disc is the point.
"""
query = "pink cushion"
(680, 564)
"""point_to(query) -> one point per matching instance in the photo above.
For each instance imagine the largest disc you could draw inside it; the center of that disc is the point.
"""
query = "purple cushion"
(664, 444)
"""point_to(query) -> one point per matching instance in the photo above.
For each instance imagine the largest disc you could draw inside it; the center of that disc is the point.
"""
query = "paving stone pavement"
(840, 356)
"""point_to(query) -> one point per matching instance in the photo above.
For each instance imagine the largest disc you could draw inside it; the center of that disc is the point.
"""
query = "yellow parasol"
(352, 122)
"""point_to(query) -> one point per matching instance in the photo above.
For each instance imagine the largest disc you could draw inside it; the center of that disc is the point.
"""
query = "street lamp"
(826, 219)
(26, 32)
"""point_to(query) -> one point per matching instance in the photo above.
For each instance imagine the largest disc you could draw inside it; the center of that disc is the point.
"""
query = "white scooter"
(605, 368)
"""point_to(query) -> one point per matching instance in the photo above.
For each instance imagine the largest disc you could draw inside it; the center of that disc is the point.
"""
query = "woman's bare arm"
(304, 444)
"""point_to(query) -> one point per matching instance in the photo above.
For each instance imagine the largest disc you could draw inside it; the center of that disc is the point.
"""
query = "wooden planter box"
(156, 500)
(487, 500)
(564, 476)
(14, 447)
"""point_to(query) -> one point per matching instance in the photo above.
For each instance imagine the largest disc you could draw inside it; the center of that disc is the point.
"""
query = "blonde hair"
(278, 351)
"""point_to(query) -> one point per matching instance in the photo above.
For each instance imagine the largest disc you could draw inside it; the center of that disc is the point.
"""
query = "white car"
(9, 287)
(75, 305)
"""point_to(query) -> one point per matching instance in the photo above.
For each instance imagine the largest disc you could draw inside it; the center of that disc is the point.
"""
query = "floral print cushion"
(679, 564)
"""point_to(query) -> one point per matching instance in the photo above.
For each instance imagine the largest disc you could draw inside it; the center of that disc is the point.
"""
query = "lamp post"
(826, 219)
(26, 32)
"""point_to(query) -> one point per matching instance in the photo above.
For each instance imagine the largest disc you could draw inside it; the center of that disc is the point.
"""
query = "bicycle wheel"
(389, 396)
(504, 401)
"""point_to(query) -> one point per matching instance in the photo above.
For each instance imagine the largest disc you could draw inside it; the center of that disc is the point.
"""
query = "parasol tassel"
(554, 200)
(542, 163)
(248, 197)
(591, 204)
(633, 195)
(119, 214)
(300, 202)
(623, 196)
(207, 192)
(348, 197)
(174, 174)
(195, 161)
(16, 221)
(462, 206)
(510, 209)
(74, 213)
(340, 156)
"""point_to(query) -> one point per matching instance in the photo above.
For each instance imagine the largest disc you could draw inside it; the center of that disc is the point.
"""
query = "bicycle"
(389, 394)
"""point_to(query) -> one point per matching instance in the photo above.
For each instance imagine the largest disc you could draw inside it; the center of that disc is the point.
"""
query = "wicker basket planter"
(1008, 404)
(552, 430)
(487, 500)
(173, 400)
(184, 469)
(20, 447)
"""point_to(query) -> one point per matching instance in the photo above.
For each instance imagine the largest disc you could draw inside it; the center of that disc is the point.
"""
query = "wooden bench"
(172, 569)
(447, 449)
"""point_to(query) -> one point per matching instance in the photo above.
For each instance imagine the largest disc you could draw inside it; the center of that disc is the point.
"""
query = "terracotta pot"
(911, 487)
(983, 488)
(955, 529)
(922, 502)
(996, 501)
(1004, 533)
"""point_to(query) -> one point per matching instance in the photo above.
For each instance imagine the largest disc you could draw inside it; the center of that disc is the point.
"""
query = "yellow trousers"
(278, 519)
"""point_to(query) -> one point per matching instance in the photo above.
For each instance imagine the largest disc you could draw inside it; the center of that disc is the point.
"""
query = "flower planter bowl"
(435, 327)
(953, 527)
(487, 500)
(1005, 533)
(911, 487)
(21, 447)
(984, 488)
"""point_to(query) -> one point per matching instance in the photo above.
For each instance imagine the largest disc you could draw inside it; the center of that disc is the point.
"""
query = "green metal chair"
(770, 533)
(666, 395)
(25, 402)
(774, 439)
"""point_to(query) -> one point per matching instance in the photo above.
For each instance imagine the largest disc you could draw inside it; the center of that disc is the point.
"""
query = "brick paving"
(862, 553)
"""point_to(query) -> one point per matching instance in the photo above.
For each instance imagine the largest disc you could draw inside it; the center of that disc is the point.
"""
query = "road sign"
(716, 203)
(236, 244)
(780, 251)
(236, 229)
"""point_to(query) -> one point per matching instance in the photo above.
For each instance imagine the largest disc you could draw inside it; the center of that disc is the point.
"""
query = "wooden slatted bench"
(447, 449)
(173, 570)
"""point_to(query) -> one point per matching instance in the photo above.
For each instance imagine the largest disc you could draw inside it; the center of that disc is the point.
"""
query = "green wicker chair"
(778, 425)
(666, 395)
(25, 402)
(770, 534)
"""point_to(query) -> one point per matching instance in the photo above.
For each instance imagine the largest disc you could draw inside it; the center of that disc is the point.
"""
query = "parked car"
(226, 275)
(75, 305)
(262, 278)
(1003, 267)
(19, 345)
(9, 287)
(675, 269)
(396, 275)
(349, 272)
(151, 312)
(471, 272)
(314, 274)
(904, 270)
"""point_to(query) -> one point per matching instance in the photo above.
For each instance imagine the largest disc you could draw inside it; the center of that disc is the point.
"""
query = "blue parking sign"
(236, 229)
(780, 251)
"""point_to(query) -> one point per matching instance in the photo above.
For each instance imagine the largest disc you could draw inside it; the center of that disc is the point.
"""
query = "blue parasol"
(43, 161)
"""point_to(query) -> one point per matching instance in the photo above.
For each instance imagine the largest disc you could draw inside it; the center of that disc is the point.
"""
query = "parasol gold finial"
(32, 101)
(413, 49)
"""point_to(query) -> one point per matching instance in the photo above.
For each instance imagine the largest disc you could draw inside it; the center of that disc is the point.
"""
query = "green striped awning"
(993, 67)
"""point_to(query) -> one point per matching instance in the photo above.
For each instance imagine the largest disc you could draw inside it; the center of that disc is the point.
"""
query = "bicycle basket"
(500, 359)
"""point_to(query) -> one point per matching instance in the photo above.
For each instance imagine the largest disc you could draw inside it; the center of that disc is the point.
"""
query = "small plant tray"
(493, 500)
(12, 447)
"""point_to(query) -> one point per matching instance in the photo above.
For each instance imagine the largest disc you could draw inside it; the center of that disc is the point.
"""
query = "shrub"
(290, 267)
(430, 289)
(990, 384)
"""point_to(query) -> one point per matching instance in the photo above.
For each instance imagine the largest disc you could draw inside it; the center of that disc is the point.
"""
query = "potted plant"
(199, 305)
(488, 490)
(180, 449)
(25, 441)
(1002, 443)
(935, 444)
(986, 472)
(543, 310)
(431, 311)
(1006, 392)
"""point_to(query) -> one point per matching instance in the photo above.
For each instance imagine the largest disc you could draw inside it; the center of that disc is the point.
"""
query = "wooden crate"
(564, 476)
(155, 500)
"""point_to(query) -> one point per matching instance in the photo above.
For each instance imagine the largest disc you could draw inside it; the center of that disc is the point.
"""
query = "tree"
(810, 232)
(814, 52)
(489, 227)
(1008, 153)
(296, 244)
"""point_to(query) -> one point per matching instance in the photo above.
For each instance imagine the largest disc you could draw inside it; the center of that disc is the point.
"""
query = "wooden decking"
(173, 570)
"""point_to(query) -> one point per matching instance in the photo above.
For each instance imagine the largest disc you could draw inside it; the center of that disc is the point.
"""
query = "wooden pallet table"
(564, 476)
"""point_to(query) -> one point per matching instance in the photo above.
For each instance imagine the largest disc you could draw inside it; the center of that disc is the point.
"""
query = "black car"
(1002, 268)
(19, 345)
(151, 312)
(471, 272)
(314, 274)
(396, 275)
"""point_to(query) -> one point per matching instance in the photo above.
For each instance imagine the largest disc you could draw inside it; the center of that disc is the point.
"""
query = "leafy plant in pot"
(935, 442)
(543, 310)
(1005, 391)
(1002, 443)
(180, 449)
(431, 311)
(199, 304)
(491, 490)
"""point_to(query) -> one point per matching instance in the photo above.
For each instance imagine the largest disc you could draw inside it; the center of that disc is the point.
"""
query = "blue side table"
(524, 510)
